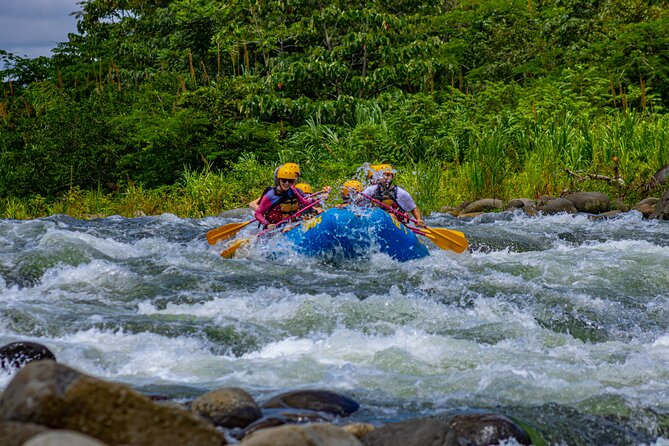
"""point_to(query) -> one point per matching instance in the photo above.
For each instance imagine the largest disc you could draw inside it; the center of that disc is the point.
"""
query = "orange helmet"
(351, 186)
(304, 187)
(289, 171)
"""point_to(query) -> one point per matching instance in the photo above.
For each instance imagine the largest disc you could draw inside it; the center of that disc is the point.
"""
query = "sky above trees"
(32, 28)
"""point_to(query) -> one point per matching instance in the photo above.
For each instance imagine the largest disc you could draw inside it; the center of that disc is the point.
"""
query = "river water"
(561, 321)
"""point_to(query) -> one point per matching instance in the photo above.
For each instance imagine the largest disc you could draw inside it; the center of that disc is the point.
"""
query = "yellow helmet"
(304, 187)
(294, 166)
(374, 168)
(289, 171)
(354, 185)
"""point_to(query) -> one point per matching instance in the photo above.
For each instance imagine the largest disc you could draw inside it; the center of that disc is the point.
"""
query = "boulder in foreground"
(57, 396)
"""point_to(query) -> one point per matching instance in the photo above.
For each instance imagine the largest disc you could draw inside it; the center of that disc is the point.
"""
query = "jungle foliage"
(471, 99)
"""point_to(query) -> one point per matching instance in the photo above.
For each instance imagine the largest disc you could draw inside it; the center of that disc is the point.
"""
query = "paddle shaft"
(390, 208)
(442, 237)
(291, 217)
(231, 229)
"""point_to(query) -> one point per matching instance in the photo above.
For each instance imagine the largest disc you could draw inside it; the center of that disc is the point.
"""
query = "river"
(559, 321)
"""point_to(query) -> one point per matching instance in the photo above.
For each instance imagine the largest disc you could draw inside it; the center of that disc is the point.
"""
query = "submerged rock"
(317, 400)
(284, 416)
(488, 429)
(17, 354)
(415, 432)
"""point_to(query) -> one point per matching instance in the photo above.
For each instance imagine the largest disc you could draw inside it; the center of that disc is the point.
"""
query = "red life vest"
(284, 204)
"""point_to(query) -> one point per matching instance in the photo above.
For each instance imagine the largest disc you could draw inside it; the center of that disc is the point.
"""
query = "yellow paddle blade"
(447, 238)
(230, 250)
(225, 232)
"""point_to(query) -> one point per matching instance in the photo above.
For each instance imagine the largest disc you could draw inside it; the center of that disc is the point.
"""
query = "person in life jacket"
(255, 203)
(349, 192)
(384, 191)
(283, 200)
(306, 190)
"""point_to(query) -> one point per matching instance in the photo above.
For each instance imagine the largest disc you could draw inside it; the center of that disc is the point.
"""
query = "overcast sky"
(32, 28)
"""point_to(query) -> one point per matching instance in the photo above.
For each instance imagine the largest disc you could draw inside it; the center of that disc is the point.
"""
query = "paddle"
(447, 239)
(226, 231)
(230, 250)
(231, 229)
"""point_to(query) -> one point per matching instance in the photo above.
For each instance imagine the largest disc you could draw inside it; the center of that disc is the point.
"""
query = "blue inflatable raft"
(350, 234)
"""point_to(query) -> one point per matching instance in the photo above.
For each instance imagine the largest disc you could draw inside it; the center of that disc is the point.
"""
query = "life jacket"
(283, 204)
(387, 196)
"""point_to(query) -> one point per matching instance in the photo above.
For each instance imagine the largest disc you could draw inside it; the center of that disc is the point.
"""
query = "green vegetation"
(186, 106)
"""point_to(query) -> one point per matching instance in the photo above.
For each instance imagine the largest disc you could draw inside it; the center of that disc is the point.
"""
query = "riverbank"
(595, 203)
(136, 202)
(205, 193)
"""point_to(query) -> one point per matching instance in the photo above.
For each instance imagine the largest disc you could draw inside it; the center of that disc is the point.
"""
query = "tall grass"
(508, 157)
(423, 180)
(487, 165)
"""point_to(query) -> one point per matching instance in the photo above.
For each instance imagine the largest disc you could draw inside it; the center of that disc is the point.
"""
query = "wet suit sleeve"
(265, 205)
(300, 198)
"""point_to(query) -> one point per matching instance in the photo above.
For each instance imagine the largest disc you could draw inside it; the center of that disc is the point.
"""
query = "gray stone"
(17, 354)
(558, 205)
(590, 202)
(661, 211)
(652, 201)
(660, 177)
(483, 205)
(315, 434)
(63, 438)
(279, 417)
(228, 407)
(317, 400)
(57, 396)
(527, 205)
(358, 429)
(414, 432)
(13, 433)
(488, 429)
(647, 206)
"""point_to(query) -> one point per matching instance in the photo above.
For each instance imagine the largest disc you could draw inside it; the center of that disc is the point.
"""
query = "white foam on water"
(97, 274)
(56, 237)
(134, 357)
(262, 305)
(575, 317)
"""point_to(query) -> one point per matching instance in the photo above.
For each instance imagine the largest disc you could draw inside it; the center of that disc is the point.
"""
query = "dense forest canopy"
(150, 89)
